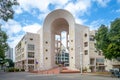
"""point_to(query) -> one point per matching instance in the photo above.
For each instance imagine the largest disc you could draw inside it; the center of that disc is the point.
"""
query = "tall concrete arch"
(63, 18)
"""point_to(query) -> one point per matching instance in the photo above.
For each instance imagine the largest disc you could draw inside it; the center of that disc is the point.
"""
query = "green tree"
(6, 9)
(11, 63)
(102, 38)
(3, 44)
(108, 40)
(6, 12)
(113, 49)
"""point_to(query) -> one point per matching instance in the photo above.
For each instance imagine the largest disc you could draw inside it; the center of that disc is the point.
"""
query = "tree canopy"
(6, 12)
(11, 63)
(6, 9)
(3, 43)
(108, 40)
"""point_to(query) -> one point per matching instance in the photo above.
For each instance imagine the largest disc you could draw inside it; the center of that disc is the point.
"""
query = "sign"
(36, 62)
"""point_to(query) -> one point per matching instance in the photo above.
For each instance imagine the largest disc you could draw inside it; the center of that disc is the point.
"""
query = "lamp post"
(81, 59)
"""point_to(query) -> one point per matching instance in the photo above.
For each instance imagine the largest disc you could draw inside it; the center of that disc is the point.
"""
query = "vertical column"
(67, 40)
(64, 59)
(60, 41)
(26, 64)
(60, 47)
(95, 65)
(57, 51)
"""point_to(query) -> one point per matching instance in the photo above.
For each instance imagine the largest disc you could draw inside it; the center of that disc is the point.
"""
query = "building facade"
(27, 51)
(97, 60)
(45, 50)
(9, 53)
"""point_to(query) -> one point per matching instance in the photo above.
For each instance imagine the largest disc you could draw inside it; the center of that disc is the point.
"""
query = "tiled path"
(56, 71)
(51, 71)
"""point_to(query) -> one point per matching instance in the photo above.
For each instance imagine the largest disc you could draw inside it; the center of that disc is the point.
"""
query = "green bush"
(22, 69)
(10, 69)
(84, 69)
(60, 65)
(16, 70)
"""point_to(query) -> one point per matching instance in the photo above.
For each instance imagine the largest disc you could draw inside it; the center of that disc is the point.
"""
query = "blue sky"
(30, 15)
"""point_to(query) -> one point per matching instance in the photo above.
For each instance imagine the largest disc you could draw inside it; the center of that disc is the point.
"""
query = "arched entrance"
(56, 22)
(60, 31)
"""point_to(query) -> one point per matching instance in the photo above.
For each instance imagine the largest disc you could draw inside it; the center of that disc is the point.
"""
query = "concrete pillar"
(67, 40)
(95, 65)
(26, 64)
(60, 40)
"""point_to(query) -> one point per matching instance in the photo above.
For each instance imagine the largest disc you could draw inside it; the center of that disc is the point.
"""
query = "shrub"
(10, 69)
(16, 70)
(60, 65)
(84, 69)
(22, 69)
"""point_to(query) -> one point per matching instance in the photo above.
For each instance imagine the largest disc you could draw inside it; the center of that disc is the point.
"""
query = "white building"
(9, 53)
(27, 52)
(38, 51)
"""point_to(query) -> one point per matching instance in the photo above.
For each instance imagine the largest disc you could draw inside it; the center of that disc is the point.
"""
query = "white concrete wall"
(22, 53)
(86, 58)
(80, 39)
(108, 64)
(48, 37)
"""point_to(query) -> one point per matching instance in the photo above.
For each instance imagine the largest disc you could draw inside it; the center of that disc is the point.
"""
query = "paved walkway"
(32, 76)
(51, 71)
(56, 70)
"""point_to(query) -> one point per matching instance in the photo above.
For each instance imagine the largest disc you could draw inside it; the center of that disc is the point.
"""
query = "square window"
(85, 44)
(86, 52)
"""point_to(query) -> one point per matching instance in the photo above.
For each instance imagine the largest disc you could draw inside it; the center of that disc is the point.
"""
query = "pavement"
(35, 76)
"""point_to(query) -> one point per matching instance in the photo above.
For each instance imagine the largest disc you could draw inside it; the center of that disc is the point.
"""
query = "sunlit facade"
(27, 51)
(60, 40)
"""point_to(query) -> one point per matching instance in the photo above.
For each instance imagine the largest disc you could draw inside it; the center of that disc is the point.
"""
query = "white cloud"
(118, 1)
(96, 24)
(78, 8)
(42, 5)
(42, 16)
(15, 40)
(118, 10)
(102, 3)
(60, 2)
(17, 9)
(12, 27)
(32, 28)
(80, 21)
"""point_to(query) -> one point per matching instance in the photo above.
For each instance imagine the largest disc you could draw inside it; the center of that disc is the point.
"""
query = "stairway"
(66, 70)
(57, 70)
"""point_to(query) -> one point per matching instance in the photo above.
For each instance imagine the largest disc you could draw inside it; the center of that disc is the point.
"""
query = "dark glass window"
(31, 39)
(30, 61)
(85, 34)
(91, 37)
(86, 52)
(31, 47)
(30, 54)
(85, 44)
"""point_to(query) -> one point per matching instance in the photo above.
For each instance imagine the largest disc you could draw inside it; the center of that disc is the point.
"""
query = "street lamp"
(81, 56)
